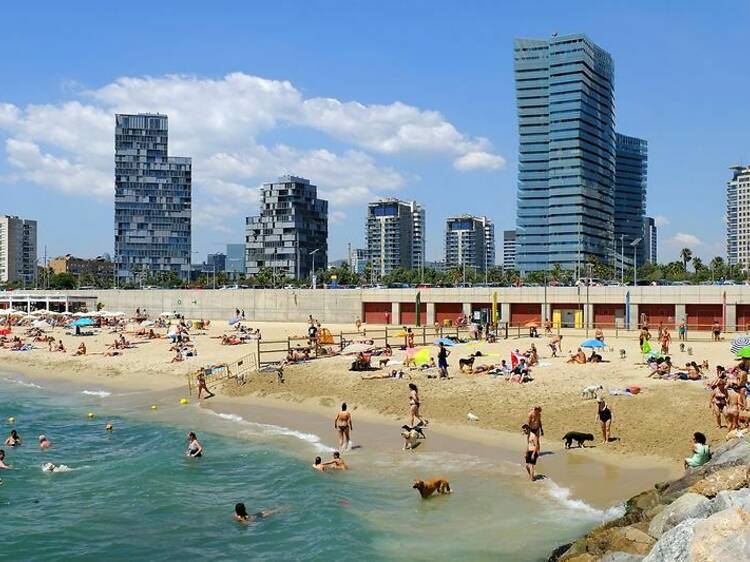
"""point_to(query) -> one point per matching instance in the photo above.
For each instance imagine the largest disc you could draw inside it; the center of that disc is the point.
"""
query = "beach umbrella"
(147, 323)
(400, 334)
(40, 324)
(81, 322)
(422, 357)
(356, 348)
(445, 341)
(593, 344)
(740, 342)
(233, 321)
(532, 324)
(7, 311)
(646, 347)
(744, 353)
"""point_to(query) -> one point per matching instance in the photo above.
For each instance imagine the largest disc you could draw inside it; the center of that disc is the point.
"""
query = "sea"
(131, 494)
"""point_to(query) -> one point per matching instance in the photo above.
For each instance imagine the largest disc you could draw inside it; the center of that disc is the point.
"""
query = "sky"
(408, 99)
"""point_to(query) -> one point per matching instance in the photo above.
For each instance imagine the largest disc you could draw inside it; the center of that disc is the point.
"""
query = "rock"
(585, 557)
(730, 478)
(731, 452)
(735, 498)
(674, 545)
(640, 504)
(723, 537)
(559, 552)
(621, 557)
(685, 507)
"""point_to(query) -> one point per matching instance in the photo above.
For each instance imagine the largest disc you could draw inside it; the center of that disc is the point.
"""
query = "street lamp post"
(313, 278)
(634, 244)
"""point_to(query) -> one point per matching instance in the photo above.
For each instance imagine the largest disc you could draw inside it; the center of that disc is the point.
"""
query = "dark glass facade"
(631, 174)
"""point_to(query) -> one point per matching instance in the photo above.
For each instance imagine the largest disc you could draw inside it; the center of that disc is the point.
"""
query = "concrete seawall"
(604, 306)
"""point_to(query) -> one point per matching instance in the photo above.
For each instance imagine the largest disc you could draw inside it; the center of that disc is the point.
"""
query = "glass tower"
(152, 200)
(631, 173)
(566, 125)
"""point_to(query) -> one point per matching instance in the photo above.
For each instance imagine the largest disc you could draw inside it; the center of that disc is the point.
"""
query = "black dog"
(578, 437)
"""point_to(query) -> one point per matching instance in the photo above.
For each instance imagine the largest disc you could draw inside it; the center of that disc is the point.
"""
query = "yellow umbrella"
(422, 357)
(401, 334)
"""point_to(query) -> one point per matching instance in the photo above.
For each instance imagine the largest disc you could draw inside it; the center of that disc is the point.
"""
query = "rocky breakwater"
(703, 516)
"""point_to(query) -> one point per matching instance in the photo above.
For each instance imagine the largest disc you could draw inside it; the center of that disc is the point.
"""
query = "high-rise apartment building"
(216, 262)
(395, 235)
(292, 225)
(153, 200)
(509, 249)
(17, 250)
(235, 262)
(358, 259)
(469, 242)
(566, 125)
(631, 173)
(649, 239)
(738, 216)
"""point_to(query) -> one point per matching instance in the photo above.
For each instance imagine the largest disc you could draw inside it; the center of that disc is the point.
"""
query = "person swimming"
(13, 440)
(4, 466)
(44, 443)
(242, 516)
(108, 428)
(337, 463)
(195, 449)
(318, 464)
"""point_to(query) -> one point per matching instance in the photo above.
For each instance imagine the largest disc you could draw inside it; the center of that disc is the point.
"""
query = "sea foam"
(562, 495)
(22, 383)
(100, 393)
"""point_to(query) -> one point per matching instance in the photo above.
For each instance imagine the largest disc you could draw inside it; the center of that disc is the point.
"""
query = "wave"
(562, 496)
(100, 393)
(276, 430)
(22, 383)
(49, 467)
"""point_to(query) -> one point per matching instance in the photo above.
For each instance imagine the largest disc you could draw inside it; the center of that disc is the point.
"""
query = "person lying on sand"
(663, 368)
(392, 375)
(483, 368)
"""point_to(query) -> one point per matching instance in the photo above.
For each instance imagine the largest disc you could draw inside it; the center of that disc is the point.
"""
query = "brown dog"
(429, 487)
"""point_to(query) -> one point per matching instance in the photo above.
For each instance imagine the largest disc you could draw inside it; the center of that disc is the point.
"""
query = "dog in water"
(578, 437)
(428, 487)
(591, 391)
(411, 435)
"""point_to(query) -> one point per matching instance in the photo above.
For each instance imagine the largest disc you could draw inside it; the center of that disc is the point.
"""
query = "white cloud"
(478, 161)
(686, 239)
(219, 123)
(661, 220)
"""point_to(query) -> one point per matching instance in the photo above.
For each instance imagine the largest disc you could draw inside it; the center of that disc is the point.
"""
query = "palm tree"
(686, 254)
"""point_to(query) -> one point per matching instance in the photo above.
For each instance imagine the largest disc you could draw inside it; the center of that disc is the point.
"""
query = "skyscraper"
(153, 199)
(649, 239)
(738, 216)
(631, 173)
(509, 249)
(17, 250)
(470, 242)
(293, 223)
(235, 258)
(395, 235)
(566, 125)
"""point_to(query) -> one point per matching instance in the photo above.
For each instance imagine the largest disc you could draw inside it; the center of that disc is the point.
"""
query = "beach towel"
(646, 347)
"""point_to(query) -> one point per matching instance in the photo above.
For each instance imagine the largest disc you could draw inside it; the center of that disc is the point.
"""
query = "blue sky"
(407, 99)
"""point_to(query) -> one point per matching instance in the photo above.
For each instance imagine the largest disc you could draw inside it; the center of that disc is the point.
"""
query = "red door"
(743, 317)
(605, 314)
(409, 315)
(655, 315)
(377, 312)
(447, 311)
(521, 313)
(702, 316)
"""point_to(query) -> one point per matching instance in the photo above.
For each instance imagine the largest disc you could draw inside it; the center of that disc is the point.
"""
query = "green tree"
(686, 254)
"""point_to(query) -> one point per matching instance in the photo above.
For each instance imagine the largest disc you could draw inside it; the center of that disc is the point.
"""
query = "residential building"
(395, 235)
(17, 250)
(738, 216)
(98, 270)
(358, 259)
(216, 262)
(649, 239)
(509, 249)
(469, 242)
(292, 225)
(438, 266)
(235, 261)
(566, 125)
(153, 199)
(631, 172)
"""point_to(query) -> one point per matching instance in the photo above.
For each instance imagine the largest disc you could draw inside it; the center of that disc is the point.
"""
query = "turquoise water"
(133, 495)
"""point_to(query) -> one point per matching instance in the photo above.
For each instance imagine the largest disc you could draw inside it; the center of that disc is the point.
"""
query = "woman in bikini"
(414, 405)
(732, 409)
(604, 416)
(343, 426)
(719, 400)
(194, 449)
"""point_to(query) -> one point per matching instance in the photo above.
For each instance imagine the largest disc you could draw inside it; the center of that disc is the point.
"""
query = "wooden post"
(386, 335)
(424, 335)
(257, 349)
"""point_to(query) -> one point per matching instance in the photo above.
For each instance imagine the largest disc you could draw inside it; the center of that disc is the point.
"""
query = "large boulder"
(731, 498)
(621, 557)
(729, 478)
(723, 537)
(731, 452)
(674, 545)
(685, 507)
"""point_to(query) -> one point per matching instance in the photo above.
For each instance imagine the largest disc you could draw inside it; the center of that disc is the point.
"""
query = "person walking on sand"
(716, 330)
(604, 417)
(532, 451)
(201, 380)
(414, 405)
(666, 339)
(344, 427)
(535, 426)
(443, 354)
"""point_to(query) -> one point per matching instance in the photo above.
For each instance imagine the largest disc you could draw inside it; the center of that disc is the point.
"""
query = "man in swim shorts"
(532, 451)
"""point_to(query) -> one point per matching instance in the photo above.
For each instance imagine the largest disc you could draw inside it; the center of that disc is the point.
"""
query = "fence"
(217, 374)
(692, 332)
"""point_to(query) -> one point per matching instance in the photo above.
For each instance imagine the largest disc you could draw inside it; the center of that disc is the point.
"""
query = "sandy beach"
(651, 429)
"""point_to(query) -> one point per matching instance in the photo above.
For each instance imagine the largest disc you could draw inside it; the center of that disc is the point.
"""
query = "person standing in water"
(4, 466)
(13, 440)
(194, 449)
(535, 426)
(604, 416)
(532, 451)
(344, 427)
(44, 442)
